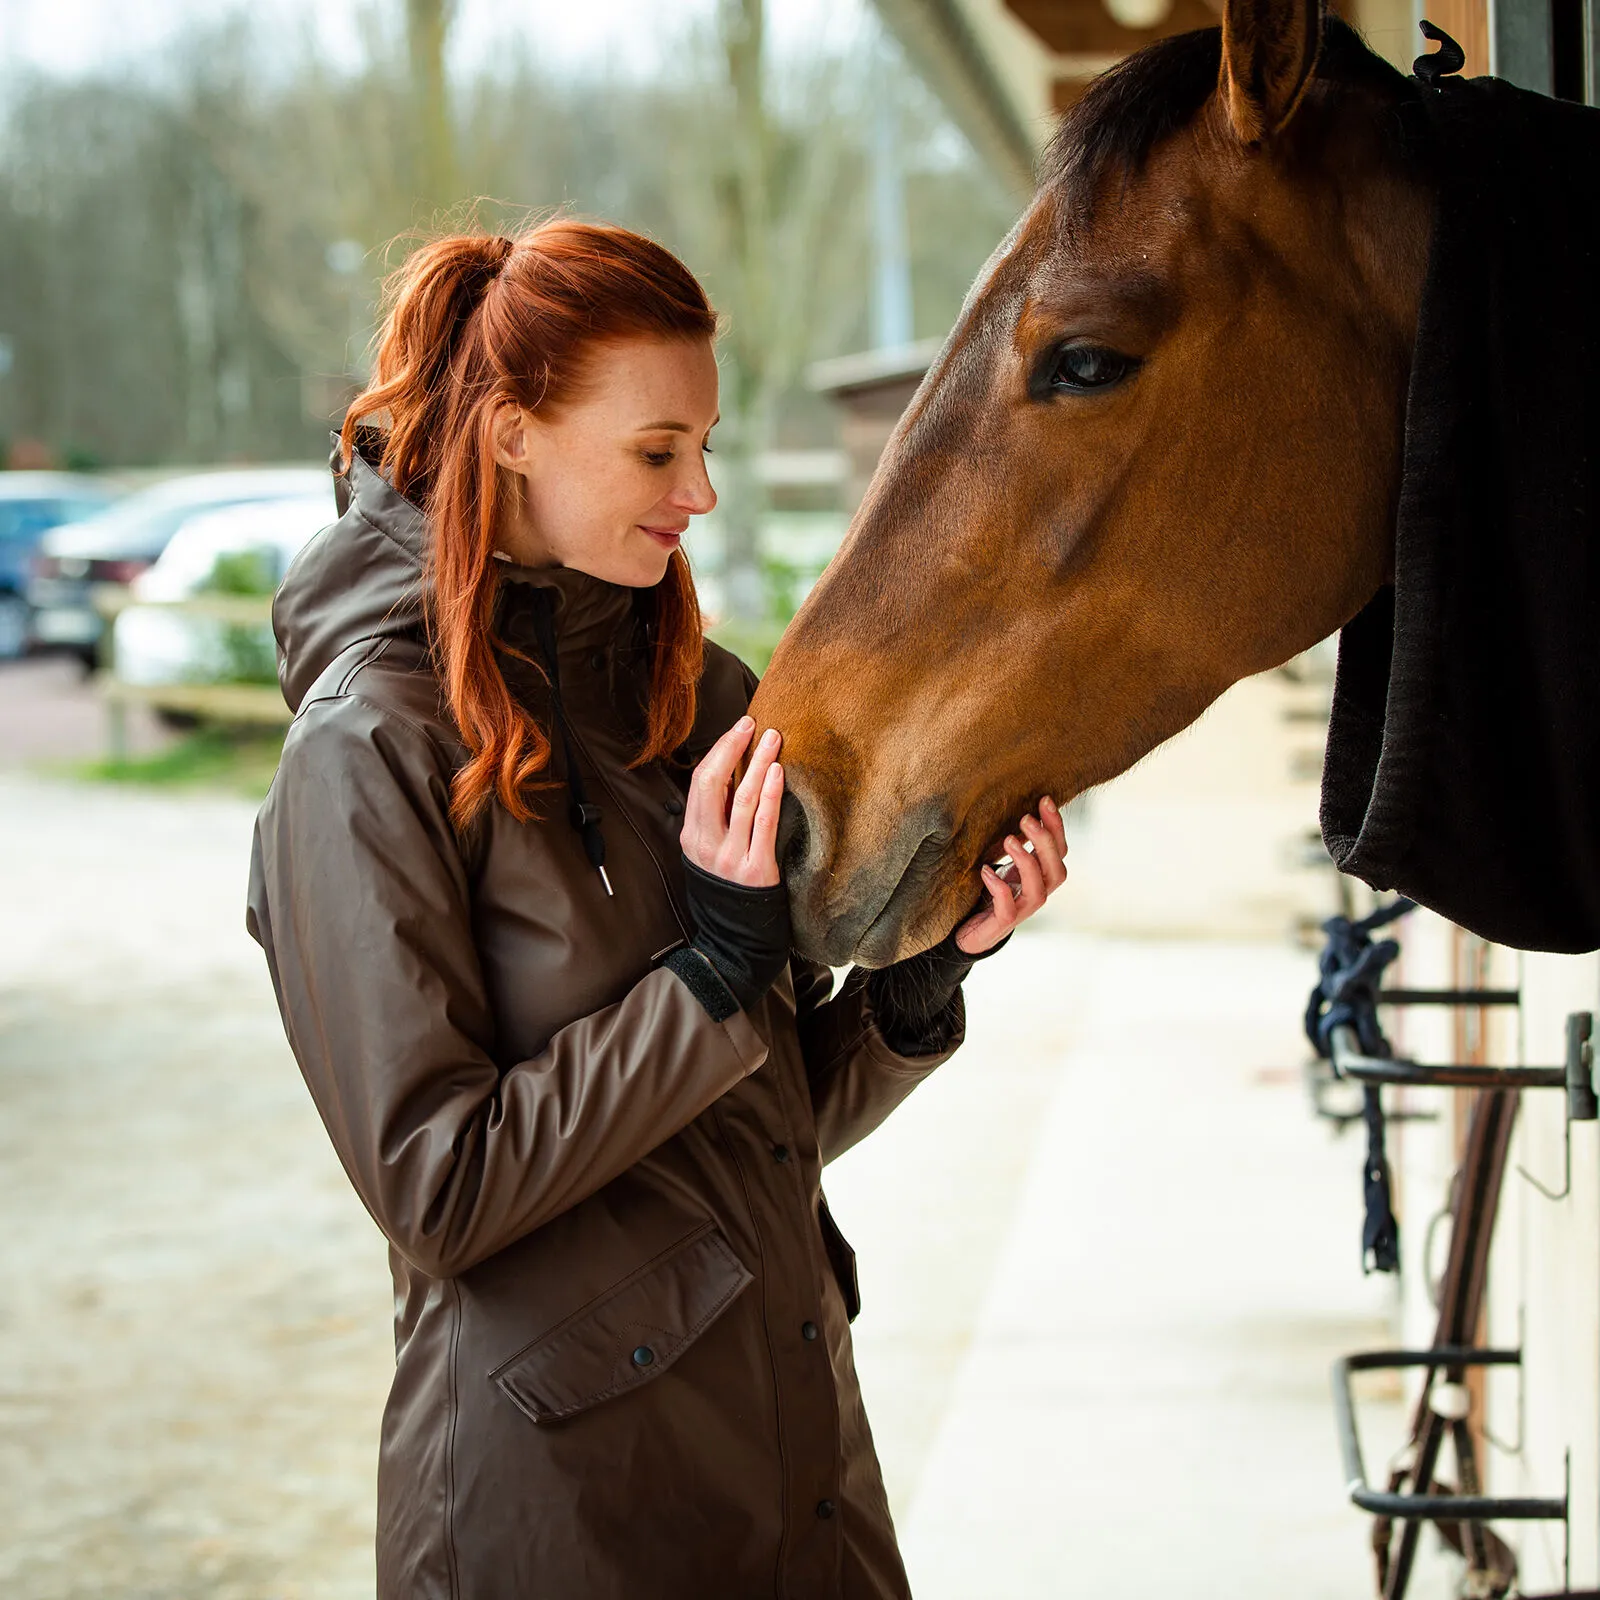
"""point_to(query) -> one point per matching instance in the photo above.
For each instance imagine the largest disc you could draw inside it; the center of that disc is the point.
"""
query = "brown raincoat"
(624, 1367)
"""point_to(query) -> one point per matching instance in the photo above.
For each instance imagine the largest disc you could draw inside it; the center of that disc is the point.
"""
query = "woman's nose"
(696, 496)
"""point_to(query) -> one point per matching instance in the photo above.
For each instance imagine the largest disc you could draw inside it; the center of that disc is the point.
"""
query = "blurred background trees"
(190, 250)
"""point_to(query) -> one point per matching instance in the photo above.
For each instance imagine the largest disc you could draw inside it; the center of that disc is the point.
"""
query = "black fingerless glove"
(913, 1000)
(741, 941)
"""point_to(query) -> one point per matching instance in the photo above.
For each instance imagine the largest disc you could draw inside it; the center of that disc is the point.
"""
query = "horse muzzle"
(871, 907)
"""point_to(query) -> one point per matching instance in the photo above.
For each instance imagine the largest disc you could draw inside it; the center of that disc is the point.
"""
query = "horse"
(1161, 450)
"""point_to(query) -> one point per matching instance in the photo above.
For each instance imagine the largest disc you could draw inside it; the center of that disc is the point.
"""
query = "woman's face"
(610, 479)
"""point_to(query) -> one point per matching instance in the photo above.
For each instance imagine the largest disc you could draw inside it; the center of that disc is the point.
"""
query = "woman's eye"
(658, 458)
(1081, 367)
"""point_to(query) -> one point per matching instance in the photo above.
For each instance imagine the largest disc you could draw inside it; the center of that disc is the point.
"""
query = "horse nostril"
(794, 833)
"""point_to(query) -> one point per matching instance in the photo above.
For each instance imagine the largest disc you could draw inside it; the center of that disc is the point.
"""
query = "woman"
(537, 977)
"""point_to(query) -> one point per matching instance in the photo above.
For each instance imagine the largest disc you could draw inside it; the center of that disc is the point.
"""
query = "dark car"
(120, 543)
(31, 504)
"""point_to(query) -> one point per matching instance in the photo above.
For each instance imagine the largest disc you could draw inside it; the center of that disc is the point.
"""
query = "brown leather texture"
(623, 1358)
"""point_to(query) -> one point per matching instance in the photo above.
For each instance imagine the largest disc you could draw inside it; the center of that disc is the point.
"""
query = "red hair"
(475, 321)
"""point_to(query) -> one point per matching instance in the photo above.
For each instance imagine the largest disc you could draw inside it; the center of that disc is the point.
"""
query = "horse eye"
(1080, 367)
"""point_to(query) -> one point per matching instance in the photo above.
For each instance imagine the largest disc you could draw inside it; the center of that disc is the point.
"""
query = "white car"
(241, 549)
(114, 547)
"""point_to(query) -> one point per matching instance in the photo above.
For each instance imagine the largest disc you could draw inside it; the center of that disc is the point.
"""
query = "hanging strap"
(1352, 967)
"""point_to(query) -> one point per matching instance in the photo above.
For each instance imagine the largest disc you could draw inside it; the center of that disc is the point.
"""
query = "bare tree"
(435, 177)
(768, 202)
(168, 292)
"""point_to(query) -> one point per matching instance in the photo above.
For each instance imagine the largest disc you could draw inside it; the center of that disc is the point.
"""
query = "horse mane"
(1127, 111)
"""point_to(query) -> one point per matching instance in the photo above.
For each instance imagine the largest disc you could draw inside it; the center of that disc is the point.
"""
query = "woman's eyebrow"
(669, 427)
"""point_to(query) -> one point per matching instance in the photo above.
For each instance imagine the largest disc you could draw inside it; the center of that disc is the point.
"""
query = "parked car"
(124, 541)
(240, 550)
(31, 504)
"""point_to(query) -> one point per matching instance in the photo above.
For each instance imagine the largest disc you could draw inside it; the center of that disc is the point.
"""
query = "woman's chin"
(652, 564)
(637, 569)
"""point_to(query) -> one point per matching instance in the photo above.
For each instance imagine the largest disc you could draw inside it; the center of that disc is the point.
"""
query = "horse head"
(1160, 451)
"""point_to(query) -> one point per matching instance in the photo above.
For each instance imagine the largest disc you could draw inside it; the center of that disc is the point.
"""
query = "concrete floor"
(1098, 1363)
(1106, 1258)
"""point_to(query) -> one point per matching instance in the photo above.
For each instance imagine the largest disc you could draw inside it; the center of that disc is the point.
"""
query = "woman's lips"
(667, 538)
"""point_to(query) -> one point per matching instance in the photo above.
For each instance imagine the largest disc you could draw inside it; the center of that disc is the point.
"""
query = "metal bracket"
(1321, 1080)
(1449, 997)
(1427, 1507)
(1581, 1105)
(1575, 1076)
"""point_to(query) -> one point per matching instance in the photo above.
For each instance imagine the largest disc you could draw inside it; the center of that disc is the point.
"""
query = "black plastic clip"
(1447, 59)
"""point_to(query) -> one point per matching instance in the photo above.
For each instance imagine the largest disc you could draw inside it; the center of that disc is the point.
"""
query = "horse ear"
(1269, 48)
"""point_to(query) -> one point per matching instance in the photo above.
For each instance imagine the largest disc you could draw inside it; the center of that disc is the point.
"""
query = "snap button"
(643, 1356)
(780, 1153)
(808, 1330)
(825, 1509)
(673, 807)
(598, 661)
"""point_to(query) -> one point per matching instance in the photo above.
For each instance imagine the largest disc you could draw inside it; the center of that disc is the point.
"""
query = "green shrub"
(247, 652)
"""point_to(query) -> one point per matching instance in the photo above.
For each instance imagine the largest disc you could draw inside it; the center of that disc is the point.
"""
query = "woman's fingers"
(1050, 816)
(1030, 877)
(761, 862)
(748, 795)
(705, 813)
(737, 841)
(986, 927)
(1003, 908)
(1020, 888)
(1046, 851)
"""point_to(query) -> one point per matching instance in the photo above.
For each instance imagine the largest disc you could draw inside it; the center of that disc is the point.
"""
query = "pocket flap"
(841, 1258)
(632, 1333)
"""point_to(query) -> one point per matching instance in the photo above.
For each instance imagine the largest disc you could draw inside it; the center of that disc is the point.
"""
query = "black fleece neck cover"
(1463, 764)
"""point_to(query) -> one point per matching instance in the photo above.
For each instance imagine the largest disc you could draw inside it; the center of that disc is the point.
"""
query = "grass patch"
(236, 760)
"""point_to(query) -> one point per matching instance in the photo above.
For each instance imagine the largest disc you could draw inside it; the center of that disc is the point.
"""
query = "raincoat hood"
(1463, 762)
(360, 578)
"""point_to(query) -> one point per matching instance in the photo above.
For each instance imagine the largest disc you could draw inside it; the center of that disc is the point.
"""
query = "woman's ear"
(1269, 49)
(510, 432)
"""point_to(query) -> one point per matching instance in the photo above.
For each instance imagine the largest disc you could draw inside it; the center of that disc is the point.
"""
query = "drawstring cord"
(584, 817)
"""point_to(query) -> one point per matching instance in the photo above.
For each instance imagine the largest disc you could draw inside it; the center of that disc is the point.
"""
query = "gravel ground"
(51, 716)
(195, 1344)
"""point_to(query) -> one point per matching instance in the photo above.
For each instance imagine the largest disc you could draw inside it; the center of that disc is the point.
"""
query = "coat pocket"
(630, 1335)
(841, 1258)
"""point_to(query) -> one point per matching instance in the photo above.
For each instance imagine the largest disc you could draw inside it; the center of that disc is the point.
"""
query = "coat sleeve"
(360, 898)
(856, 1079)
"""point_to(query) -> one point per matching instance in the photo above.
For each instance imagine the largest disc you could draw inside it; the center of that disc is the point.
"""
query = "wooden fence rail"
(249, 704)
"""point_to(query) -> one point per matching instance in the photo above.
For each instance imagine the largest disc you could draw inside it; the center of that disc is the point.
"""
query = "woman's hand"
(1019, 890)
(737, 842)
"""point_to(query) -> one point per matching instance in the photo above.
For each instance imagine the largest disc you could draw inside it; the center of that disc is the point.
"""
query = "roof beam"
(939, 42)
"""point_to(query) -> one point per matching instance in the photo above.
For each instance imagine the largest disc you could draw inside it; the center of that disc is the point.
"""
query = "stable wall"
(1544, 1274)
